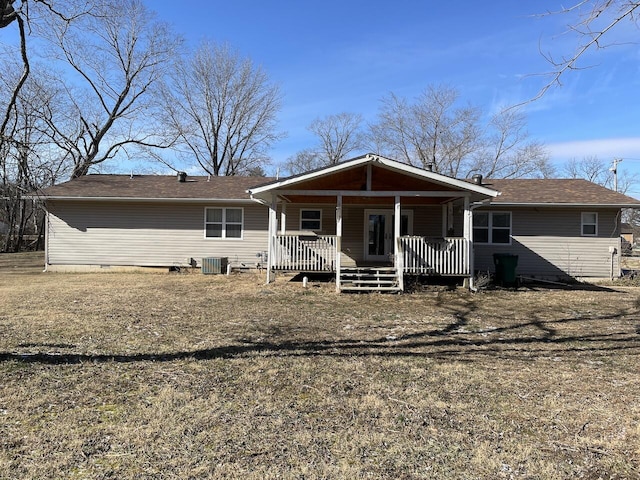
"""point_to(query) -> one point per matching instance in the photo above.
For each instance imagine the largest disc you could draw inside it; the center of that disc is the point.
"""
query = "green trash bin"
(506, 269)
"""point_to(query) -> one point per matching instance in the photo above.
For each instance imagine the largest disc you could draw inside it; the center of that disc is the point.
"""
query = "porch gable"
(370, 175)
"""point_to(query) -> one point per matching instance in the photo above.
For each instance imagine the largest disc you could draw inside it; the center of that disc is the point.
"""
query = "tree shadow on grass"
(524, 341)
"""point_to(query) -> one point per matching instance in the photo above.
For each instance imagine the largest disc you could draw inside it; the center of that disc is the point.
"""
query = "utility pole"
(614, 169)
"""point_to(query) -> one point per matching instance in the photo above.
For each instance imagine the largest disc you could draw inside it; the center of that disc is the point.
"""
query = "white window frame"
(490, 228)
(583, 224)
(319, 220)
(224, 223)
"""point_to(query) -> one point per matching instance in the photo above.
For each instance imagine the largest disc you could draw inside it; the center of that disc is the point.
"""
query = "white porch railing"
(435, 256)
(305, 252)
(418, 255)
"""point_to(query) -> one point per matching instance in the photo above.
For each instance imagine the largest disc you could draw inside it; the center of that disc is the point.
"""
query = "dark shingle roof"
(155, 187)
(555, 191)
(158, 187)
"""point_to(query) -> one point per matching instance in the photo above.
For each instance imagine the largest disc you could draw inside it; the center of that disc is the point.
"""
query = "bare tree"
(339, 135)
(304, 161)
(9, 15)
(589, 168)
(431, 131)
(50, 122)
(22, 16)
(509, 151)
(223, 109)
(594, 24)
(434, 132)
(601, 172)
(117, 56)
(27, 162)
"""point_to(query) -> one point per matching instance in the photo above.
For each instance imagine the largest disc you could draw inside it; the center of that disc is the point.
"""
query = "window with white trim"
(492, 227)
(589, 224)
(222, 222)
(311, 219)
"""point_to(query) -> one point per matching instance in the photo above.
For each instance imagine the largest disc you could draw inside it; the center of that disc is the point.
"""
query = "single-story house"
(370, 220)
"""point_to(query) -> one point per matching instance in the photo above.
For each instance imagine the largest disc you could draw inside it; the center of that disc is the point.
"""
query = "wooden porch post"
(273, 228)
(283, 218)
(338, 240)
(444, 220)
(396, 247)
(468, 235)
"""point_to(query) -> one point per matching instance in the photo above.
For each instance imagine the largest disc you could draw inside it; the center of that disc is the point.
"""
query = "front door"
(379, 235)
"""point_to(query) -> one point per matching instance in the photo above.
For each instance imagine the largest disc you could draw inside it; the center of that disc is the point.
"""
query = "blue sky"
(335, 56)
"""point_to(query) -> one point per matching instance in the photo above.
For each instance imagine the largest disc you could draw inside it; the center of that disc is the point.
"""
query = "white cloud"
(603, 148)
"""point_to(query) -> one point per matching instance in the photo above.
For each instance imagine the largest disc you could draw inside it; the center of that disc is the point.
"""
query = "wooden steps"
(369, 279)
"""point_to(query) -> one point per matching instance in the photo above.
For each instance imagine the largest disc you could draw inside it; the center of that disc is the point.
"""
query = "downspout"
(613, 251)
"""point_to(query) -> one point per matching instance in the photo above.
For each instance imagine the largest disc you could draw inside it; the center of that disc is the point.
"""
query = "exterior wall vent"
(214, 265)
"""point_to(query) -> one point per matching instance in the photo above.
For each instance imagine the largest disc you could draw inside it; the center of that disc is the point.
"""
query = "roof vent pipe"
(477, 179)
(430, 167)
(182, 177)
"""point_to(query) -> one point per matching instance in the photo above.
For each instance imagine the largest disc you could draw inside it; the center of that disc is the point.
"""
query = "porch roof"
(362, 177)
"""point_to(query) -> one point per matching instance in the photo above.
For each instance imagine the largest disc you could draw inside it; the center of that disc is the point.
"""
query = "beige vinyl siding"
(427, 220)
(549, 244)
(353, 234)
(147, 234)
(293, 217)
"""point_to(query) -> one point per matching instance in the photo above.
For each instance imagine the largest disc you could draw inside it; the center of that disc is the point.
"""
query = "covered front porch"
(369, 247)
(371, 221)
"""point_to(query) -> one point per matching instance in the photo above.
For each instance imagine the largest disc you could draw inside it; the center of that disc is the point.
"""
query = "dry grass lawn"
(189, 376)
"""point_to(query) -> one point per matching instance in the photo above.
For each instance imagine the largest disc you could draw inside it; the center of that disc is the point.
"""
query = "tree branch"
(21, 82)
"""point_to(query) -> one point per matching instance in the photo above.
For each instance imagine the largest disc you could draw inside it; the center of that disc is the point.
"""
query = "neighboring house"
(370, 220)
(626, 232)
(626, 238)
